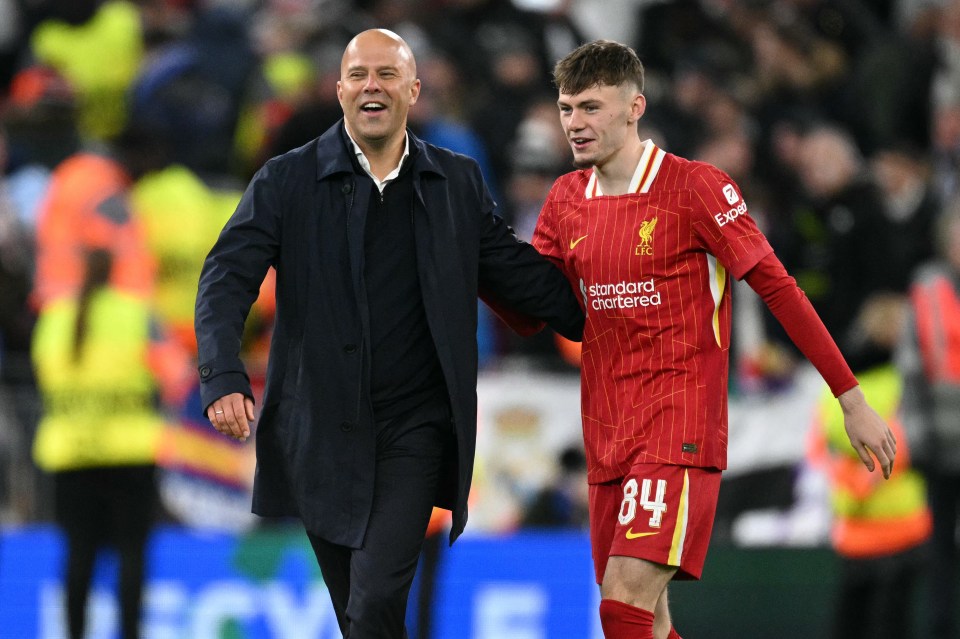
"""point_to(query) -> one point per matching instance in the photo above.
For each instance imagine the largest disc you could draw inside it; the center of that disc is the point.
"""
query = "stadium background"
(225, 84)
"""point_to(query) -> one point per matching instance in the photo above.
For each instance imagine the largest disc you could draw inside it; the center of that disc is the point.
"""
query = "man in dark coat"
(381, 244)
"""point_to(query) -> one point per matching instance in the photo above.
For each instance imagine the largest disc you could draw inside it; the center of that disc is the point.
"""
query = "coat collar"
(334, 154)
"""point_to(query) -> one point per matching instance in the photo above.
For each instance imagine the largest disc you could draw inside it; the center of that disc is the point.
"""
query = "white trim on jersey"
(718, 283)
(592, 187)
(643, 176)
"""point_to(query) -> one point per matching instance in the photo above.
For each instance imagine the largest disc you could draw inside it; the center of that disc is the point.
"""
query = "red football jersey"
(652, 267)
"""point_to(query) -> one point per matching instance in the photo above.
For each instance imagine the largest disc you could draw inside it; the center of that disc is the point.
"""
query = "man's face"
(598, 122)
(377, 87)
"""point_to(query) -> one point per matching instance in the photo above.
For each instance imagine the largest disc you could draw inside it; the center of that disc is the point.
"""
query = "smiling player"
(651, 240)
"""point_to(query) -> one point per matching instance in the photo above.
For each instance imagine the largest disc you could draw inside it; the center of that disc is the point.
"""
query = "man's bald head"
(381, 38)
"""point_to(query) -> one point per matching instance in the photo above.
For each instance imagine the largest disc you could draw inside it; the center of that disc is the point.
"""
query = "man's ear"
(414, 92)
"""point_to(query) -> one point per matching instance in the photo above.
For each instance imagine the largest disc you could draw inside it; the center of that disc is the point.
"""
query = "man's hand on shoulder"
(232, 415)
(868, 432)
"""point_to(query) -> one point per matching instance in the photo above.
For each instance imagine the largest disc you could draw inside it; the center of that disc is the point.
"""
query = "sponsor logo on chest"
(621, 295)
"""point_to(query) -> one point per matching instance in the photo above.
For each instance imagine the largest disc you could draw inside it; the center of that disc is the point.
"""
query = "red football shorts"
(659, 512)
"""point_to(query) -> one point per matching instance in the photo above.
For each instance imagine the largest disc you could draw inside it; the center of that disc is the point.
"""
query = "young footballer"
(651, 240)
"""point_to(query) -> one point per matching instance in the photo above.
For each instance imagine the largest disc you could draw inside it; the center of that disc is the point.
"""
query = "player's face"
(377, 87)
(599, 121)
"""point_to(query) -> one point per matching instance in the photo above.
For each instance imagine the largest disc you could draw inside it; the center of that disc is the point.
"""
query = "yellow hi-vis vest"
(182, 218)
(873, 516)
(99, 410)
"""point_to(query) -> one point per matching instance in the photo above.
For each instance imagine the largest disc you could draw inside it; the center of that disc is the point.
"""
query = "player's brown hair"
(598, 63)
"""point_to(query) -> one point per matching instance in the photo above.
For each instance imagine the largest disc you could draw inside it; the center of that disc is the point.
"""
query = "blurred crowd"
(135, 124)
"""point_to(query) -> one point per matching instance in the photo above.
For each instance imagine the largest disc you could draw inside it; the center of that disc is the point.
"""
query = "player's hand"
(868, 432)
(232, 415)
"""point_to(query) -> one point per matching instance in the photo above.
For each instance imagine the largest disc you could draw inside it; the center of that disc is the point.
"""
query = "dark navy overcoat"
(304, 214)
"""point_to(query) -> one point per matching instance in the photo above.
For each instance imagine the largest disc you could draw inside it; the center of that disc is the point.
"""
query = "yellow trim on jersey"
(643, 176)
(718, 284)
(680, 530)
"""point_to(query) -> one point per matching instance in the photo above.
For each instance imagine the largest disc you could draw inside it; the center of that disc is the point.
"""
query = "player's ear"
(637, 107)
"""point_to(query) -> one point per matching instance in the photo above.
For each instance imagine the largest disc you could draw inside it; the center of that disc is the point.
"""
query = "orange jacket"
(86, 206)
(937, 308)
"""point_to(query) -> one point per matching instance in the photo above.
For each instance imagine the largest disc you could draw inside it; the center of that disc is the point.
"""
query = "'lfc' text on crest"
(646, 235)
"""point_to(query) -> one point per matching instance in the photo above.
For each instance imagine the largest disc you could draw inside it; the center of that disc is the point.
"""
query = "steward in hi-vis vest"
(879, 526)
(102, 408)
(872, 516)
(936, 312)
(101, 364)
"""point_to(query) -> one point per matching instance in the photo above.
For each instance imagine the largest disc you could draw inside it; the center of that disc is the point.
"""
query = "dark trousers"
(369, 585)
(876, 596)
(944, 496)
(105, 506)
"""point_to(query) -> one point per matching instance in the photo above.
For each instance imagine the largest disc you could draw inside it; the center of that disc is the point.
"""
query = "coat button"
(205, 371)
(346, 426)
(346, 189)
(350, 348)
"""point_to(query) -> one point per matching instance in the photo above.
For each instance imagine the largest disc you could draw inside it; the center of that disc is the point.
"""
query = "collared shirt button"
(346, 426)
(350, 348)
(204, 371)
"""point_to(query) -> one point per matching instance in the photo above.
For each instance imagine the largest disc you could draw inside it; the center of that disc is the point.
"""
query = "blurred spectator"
(504, 52)
(912, 207)
(879, 525)
(839, 247)
(87, 205)
(945, 150)
(794, 68)
(671, 34)
(929, 359)
(315, 108)
(181, 217)
(852, 26)
(100, 363)
(440, 115)
(40, 113)
(98, 47)
(563, 502)
(679, 115)
(189, 90)
(538, 154)
(946, 37)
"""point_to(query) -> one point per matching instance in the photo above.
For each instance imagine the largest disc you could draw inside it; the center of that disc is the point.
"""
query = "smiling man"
(381, 243)
(650, 240)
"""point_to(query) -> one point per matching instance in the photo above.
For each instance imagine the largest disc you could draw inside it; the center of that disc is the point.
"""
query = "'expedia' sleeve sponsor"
(722, 221)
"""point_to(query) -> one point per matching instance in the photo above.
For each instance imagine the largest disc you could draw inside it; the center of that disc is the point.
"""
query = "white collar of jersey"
(650, 160)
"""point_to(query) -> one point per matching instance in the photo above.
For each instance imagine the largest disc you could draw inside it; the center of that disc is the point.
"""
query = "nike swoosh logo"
(573, 243)
(633, 535)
